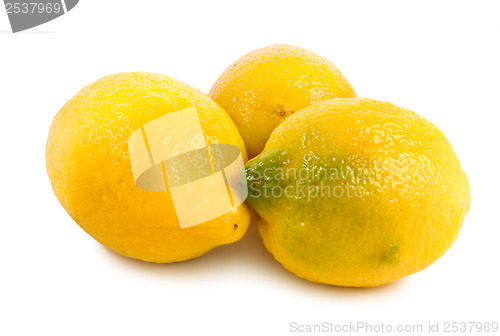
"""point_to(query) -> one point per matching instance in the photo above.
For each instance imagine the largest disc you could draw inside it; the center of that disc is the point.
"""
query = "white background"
(438, 58)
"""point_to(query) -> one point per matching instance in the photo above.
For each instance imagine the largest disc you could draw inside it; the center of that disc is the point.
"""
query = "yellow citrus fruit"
(88, 165)
(267, 85)
(357, 192)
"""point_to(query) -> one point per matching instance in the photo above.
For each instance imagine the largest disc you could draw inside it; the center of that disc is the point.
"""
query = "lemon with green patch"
(357, 192)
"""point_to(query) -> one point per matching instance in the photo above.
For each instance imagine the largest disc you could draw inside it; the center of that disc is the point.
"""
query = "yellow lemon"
(357, 192)
(88, 164)
(264, 87)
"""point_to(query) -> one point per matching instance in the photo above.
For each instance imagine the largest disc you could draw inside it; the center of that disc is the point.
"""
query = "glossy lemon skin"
(407, 201)
(264, 87)
(88, 165)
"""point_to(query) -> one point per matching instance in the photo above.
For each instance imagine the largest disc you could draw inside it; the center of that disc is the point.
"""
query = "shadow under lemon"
(248, 253)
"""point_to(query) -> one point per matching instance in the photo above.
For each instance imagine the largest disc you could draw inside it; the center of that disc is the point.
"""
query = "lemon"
(264, 87)
(357, 192)
(88, 165)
